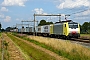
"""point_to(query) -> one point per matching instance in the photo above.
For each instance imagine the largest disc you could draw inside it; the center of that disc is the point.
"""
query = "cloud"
(72, 3)
(14, 2)
(39, 11)
(17, 19)
(7, 19)
(1, 15)
(4, 9)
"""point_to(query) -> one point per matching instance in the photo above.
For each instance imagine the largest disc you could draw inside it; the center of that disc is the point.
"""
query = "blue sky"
(14, 11)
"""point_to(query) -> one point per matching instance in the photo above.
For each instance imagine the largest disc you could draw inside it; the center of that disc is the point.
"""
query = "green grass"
(0, 46)
(76, 53)
(5, 49)
(84, 34)
(32, 52)
(0, 34)
(0, 53)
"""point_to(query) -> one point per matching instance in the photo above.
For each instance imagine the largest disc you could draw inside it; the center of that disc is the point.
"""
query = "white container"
(31, 29)
(19, 30)
(27, 29)
(39, 29)
(46, 29)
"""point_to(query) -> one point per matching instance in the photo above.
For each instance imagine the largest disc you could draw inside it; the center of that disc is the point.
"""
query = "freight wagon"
(43, 30)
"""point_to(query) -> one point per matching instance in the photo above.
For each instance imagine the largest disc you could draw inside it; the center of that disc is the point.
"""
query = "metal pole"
(22, 29)
(46, 15)
(37, 23)
(34, 24)
(66, 16)
(59, 18)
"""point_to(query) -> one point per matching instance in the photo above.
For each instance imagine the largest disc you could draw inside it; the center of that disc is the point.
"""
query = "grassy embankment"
(85, 36)
(4, 49)
(32, 52)
(0, 46)
(62, 48)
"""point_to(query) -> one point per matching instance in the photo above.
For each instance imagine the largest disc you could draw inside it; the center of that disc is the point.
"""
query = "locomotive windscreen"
(73, 25)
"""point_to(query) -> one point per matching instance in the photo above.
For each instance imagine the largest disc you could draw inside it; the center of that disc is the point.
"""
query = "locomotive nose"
(73, 32)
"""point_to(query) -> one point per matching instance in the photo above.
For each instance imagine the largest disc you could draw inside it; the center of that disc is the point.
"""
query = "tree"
(43, 22)
(47, 23)
(8, 29)
(85, 27)
(0, 26)
(81, 30)
(2, 30)
(89, 27)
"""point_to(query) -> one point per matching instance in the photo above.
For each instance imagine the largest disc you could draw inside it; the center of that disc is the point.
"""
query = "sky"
(12, 12)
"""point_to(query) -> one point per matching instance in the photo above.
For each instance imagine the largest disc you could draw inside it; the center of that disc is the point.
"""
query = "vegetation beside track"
(62, 48)
(32, 52)
(0, 46)
(3, 48)
(85, 36)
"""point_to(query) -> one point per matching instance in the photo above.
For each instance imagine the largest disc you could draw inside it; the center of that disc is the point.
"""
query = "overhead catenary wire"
(81, 15)
(80, 11)
(74, 8)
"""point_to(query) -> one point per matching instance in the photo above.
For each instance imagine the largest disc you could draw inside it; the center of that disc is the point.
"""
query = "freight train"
(64, 29)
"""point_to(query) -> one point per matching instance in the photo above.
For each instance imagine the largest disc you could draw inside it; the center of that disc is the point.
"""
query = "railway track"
(81, 40)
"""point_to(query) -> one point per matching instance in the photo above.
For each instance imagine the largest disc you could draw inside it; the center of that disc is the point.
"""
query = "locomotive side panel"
(65, 29)
(51, 29)
(58, 29)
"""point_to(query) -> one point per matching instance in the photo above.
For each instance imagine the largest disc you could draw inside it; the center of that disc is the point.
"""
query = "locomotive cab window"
(73, 25)
(65, 25)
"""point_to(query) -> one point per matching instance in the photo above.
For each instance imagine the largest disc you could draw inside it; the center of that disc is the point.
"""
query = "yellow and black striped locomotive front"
(71, 29)
(65, 29)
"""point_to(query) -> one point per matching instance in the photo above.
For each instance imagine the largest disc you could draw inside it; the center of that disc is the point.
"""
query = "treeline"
(85, 28)
(0, 26)
(43, 22)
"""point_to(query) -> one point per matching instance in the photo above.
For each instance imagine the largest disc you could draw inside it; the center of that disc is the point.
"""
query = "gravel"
(87, 45)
